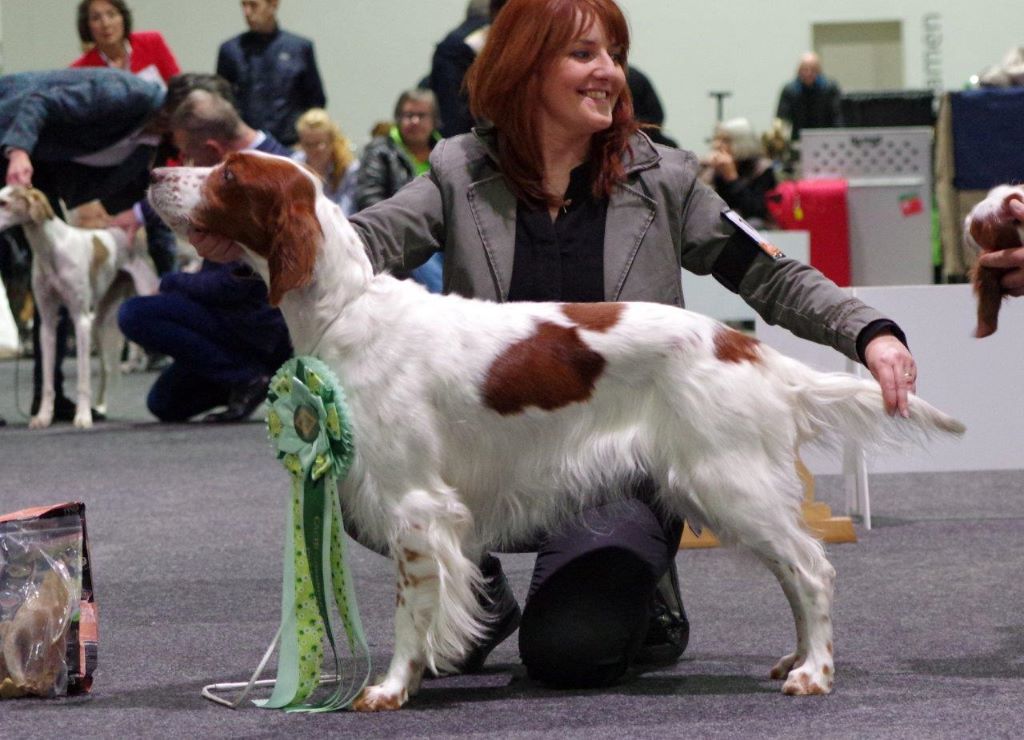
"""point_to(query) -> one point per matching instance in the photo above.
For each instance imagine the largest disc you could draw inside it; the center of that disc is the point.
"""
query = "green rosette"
(309, 426)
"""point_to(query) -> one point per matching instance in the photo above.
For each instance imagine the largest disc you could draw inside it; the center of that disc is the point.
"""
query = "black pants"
(588, 606)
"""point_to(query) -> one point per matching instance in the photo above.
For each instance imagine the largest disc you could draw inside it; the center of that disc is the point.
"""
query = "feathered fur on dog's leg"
(437, 614)
(734, 491)
(82, 318)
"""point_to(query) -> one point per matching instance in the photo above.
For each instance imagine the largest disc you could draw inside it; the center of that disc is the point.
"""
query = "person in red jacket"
(107, 25)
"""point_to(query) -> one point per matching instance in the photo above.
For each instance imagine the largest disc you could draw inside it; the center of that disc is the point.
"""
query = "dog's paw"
(781, 669)
(40, 421)
(807, 682)
(379, 699)
(83, 419)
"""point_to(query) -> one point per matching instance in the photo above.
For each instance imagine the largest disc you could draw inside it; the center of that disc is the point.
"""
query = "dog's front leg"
(438, 614)
(48, 305)
(416, 610)
(83, 341)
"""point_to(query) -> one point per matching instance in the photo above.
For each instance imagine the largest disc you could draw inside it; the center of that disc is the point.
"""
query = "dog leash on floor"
(309, 427)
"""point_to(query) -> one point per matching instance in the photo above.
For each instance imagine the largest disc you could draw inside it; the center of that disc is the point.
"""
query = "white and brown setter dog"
(476, 422)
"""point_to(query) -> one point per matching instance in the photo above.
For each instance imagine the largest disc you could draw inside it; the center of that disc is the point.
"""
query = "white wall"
(370, 50)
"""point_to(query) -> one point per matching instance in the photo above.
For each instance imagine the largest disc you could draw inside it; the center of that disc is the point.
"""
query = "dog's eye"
(229, 176)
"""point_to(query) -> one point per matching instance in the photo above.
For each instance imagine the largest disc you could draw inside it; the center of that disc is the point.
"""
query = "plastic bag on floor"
(47, 613)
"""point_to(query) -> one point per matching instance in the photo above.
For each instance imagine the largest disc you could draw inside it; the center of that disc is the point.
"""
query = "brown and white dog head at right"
(996, 223)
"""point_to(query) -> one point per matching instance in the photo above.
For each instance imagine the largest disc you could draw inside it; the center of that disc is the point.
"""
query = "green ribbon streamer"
(309, 426)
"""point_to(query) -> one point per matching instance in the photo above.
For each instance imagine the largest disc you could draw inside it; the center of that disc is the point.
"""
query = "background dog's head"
(992, 225)
(265, 203)
(23, 205)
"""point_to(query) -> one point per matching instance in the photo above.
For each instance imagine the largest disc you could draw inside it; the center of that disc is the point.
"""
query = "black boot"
(242, 401)
(668, 631)
(503, 616)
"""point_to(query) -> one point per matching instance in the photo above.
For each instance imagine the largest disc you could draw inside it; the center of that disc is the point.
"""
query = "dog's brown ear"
(39, 208)
(990, 297)
(294, 248)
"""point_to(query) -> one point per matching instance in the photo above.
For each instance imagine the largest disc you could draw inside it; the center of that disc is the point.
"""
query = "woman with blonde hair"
(738, 170)
(327, 151)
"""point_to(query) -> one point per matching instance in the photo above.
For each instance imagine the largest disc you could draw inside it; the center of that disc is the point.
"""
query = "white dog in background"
(476, 422)
(90, 272)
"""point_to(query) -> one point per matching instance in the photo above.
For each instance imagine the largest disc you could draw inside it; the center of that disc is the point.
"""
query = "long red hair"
(504, 85)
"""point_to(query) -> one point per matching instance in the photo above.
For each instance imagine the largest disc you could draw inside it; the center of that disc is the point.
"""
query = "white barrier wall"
(976, 380)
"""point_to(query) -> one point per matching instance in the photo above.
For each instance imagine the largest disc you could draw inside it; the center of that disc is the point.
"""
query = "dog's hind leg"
(808, 586)
(437, 613)
(755, 504)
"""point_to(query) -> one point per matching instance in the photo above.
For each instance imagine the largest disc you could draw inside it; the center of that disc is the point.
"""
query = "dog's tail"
(832, 407)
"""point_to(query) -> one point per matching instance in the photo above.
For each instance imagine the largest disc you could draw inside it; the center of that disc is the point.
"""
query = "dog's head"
(994, 224)
(23, 205)
(265, 203)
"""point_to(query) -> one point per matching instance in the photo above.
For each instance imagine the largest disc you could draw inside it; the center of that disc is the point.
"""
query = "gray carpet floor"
(185, 525)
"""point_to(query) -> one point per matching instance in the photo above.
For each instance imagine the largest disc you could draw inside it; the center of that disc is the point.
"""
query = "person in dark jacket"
(452, 58)
(811, 100)
(273, 72)
(224, 338)
(647, 106)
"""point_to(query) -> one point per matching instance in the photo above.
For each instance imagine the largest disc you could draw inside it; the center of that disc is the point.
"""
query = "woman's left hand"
(895, 370)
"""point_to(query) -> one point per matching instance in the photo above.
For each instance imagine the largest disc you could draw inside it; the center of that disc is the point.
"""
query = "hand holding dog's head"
(264, 203)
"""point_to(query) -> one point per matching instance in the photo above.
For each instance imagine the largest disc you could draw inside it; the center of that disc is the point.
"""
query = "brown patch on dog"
(829, 648)
(411, 555)
(594, 316)
(100, 253)
(39, 208)
(826, 669)
(367, 703)
(549, 370)
(733, 346)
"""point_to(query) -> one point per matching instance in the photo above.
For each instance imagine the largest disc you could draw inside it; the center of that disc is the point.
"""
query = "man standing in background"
(272, 72)
(811, 100)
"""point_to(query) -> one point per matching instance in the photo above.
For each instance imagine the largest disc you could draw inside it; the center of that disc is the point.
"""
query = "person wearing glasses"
(390, 162)
(327, 151)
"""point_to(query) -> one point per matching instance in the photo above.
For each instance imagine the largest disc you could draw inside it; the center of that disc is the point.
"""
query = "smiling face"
(581, 87)
(106, 24)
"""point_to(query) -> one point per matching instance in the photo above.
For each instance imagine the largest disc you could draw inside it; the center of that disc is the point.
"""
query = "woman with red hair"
(561, 197)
